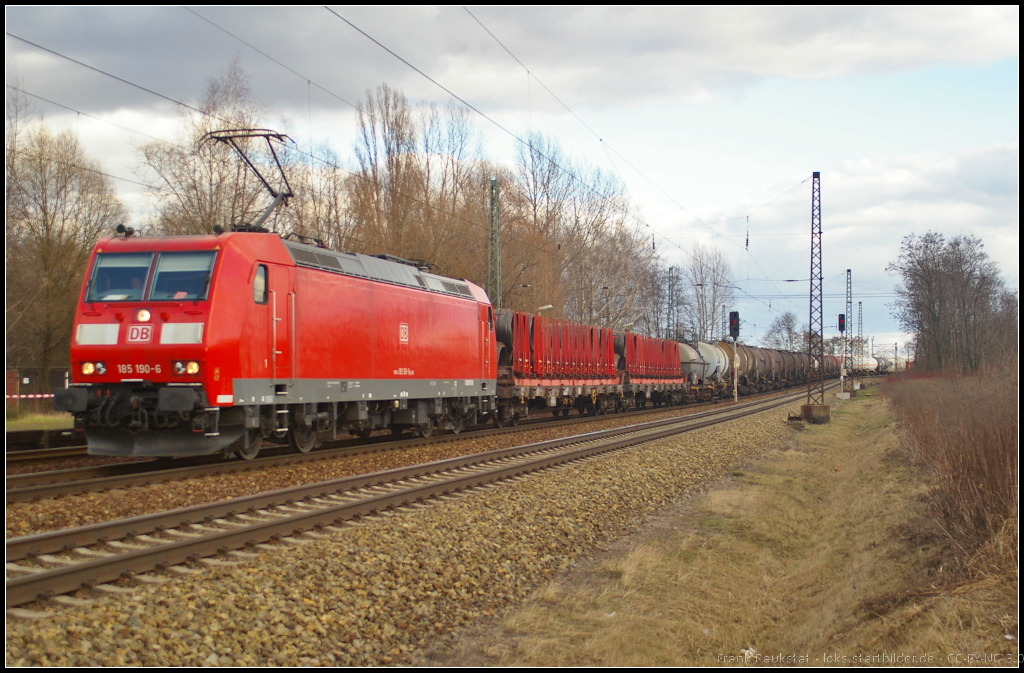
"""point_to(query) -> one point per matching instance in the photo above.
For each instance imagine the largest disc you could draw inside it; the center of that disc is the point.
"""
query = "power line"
(470, 106)
(330, 163)
(578, 118)
(120, 79)
(608, 147)
(502, 45)
(360, 176)
(257, 49)
(86, 114)
(86, 168)
(529, 144)
(311, 82)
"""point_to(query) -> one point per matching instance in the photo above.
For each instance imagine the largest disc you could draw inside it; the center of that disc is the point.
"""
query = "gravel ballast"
(392, 590)
(27, 518)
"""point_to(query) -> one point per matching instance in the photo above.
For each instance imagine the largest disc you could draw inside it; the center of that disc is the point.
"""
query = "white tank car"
(869, 365)
(715, 360)
(690, 364)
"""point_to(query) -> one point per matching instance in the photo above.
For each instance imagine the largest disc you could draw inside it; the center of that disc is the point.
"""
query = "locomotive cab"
(140, 344)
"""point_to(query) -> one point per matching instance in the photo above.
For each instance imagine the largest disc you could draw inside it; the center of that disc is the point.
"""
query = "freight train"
(186, 346)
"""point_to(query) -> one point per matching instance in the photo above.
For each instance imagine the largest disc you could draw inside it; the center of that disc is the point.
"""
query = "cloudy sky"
(711, 117)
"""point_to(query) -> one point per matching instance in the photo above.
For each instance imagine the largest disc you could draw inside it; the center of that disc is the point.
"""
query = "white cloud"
(591, 53)
(588, 55)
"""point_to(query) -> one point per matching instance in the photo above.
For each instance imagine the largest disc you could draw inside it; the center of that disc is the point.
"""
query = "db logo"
(140, 333)
(403, 333)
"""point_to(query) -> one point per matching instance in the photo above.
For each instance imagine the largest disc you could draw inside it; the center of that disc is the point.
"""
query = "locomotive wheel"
(565, 412)
(302, 438)
(514, 421)
(426, 429)
(555, 412)
(255, 442)
(457, 423)
(499, 422)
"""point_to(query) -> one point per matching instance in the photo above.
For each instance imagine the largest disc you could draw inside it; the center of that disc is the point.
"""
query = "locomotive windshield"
(178, 276)
(120, 277)
(182, 275)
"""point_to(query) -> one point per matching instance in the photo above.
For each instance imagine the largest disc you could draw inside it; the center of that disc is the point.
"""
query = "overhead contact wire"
(608, 147)
(212, 116)
(470, 106)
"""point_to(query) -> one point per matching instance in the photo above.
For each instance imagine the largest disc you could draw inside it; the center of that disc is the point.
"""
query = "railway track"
(54, 483)
(41, 455)
(31, 440)
(50, 564)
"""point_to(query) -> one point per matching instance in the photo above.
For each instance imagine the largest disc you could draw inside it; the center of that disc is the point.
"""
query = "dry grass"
(799, 558)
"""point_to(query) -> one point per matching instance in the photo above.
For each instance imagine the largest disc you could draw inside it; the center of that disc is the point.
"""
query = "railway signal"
(734, 324)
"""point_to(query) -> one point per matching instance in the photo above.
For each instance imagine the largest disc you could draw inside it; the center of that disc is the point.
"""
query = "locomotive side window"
(119, 277)
(182, 276)
(259, 285)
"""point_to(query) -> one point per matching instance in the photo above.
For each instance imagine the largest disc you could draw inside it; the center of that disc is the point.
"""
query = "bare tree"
(951, 296)
(17, 111)
(784, 333)
(319, 206)
(577, 243)
(384, 191)
(606, 262)
(58, 204)
(709, 282)
(203, 182)
(421, 191)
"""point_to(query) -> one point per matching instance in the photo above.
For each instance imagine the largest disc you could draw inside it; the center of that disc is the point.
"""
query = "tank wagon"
(873, 365)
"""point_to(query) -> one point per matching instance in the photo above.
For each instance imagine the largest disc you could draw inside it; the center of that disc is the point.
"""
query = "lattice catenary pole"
(860, 331)
(815, 337)
(847, 337)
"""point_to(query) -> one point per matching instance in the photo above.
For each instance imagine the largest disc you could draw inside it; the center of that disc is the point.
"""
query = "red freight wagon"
(542, 351)
(191, 345)
(563, 365)
(650, 360)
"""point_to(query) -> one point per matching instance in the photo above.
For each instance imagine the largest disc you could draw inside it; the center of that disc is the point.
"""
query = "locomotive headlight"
(192, 368)
(142, 315)
(101, 368)
(179, 367)
(88, 368)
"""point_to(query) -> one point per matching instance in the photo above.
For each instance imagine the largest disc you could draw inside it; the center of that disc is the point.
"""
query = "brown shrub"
(962, 430)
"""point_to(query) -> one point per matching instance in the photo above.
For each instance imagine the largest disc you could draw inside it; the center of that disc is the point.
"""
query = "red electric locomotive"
(200, 344)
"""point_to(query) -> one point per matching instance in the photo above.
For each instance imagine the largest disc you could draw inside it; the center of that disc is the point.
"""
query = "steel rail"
(38, 485)
(27, 440)
(17, 548)
(28, 455)
(71, 577)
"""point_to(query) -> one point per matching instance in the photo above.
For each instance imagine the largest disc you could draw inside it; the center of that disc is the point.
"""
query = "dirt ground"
(818, 552)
